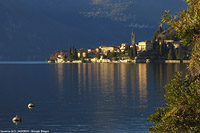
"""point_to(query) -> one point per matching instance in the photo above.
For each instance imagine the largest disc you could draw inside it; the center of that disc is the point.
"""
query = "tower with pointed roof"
(132, 37)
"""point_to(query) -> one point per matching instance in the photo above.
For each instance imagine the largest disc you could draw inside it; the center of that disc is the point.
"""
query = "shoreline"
(126, 61)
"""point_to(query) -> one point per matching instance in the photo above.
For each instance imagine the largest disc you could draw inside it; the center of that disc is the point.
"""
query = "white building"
(124, 46)
(106, 49)
(145, 46)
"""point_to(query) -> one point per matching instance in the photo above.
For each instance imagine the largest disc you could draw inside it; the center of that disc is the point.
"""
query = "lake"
(89, 97)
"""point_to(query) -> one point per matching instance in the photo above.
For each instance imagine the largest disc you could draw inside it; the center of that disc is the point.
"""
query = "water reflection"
(84, 97)
(112, 95)
(60, 76)
(60, 70)
(105, 78)
(142, 70)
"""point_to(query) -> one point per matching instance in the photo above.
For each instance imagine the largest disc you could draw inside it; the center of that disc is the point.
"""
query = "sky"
(33, 29)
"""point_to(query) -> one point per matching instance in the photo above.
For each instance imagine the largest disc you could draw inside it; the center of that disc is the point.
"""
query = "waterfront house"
(94, 60)
(91, 53)
(124, 46)
(117, 50)
(177, 44)
(106, 49)
(145, 46)
(82, 53)
(98, 50)
(105, 60)
(169, 41)
(91, 50)
(60, 59)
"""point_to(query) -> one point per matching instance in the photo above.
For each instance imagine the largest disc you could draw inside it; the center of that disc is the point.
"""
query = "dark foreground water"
(106, 98)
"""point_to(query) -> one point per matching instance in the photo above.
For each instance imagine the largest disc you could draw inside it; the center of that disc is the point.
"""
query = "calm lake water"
(91, 97)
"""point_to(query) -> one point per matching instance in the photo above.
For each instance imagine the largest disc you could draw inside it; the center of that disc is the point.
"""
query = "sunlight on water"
(83, 97)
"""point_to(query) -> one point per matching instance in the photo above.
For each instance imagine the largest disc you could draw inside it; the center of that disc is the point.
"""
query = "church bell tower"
(132, 37)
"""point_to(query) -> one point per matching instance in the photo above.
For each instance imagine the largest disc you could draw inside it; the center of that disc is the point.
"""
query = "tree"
(73, 50)
(129, 51)
(155, 36)
(98, 56)
(187, 25)
(177, 53)
(75, 54)
(161, 49)
(134, 50)
(179, 56)
(182, 110)
(69, 58)
(111, 55)
(70, 51)
(171, 54)
(53, 57)
(160, 30)
(131, 54)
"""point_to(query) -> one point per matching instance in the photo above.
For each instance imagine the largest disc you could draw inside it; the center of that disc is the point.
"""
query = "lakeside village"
(164, 48)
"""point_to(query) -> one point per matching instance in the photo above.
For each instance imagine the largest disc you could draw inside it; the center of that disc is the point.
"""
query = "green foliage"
(53, 56)
(98, 56)
(111, 55)
(70, 58)
(155, 36)
(179, 55)
(186, 23)
(171, 54)
(182, 111)
(132, 52)
(73, 53)
(161, 34)
(161, 49)
(129, 51)
(194, 65)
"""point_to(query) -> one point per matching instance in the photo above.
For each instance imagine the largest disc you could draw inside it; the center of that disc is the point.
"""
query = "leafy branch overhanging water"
(182, 110)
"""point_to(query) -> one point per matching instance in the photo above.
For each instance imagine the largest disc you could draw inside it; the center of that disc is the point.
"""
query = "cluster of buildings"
(104, 50)
(90, 54)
